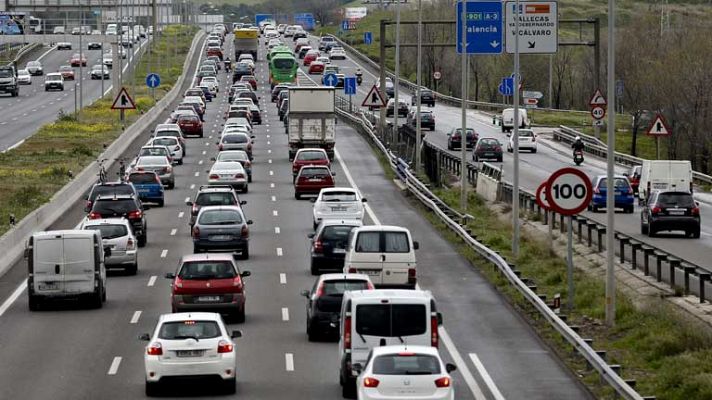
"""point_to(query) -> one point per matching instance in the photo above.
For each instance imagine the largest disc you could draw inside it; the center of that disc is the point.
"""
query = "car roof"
(208, 257)
(202, 316)
(106, 221)
(382, 228)
(405, 348)
(341, 277)
(390, 294)
(341, 222)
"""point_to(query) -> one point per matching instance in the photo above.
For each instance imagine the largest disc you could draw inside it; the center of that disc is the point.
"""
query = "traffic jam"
(365, 297)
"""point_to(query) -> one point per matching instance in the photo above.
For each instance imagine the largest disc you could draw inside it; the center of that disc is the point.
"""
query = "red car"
(310, 57)
(78, 59)
(190, 125)
(250, 79)
(209, 282)
(311, 179)
(306, 157)
(215, 51)
(316, 67)
(67, 72)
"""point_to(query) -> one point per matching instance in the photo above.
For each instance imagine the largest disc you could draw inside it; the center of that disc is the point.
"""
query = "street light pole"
(463, 132)
(610, 216)
(515, 138)
(396, 84)
(418, 133)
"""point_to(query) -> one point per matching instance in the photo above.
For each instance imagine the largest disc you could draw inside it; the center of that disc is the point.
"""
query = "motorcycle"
(359, 79)
(578, 157)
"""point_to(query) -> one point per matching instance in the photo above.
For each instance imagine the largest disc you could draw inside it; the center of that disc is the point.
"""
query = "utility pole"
(515, 137)
(610, 216)
(463, 132)
(418, 133)
(396, 84)
(382, 82)
(81, 61)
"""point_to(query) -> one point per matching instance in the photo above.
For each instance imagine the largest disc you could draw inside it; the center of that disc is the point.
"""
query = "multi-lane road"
(22, 116)
(73, 353)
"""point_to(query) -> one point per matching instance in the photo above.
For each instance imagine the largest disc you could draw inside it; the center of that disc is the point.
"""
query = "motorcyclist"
(227, 63)
(359, 76)
(577, 145)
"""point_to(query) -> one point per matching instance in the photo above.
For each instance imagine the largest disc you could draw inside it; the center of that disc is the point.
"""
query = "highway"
(74, 353)
(22, 116)
(536, 168)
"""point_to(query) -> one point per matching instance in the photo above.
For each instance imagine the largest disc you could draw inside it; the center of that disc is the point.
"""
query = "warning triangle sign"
(123, 101)
(597, 99)
(659, 127)
(374, 98)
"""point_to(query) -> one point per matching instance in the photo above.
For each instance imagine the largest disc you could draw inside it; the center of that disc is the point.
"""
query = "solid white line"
(180, 214)
(268, 142)
(285, 314)
(164, 253)
(289, 361)
(114, 368)
(486, 377)
(44, 54)
(283, 278)
(269, 151)
(151, 281)
(461, 365)
(173, 231)
(275, 213)
(279, 252)
(13, 297)
(368, 209)
(269, 161)
(276, 230)
(135, 317)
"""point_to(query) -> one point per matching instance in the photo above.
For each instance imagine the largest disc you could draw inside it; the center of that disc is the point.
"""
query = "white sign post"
(538, 27)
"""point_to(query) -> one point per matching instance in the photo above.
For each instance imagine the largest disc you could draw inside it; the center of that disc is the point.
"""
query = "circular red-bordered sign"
(541, 197)
(437, 75)
(568, 191)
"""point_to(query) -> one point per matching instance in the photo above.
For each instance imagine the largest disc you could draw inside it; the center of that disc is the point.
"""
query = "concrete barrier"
(13, 241)
(487, 187)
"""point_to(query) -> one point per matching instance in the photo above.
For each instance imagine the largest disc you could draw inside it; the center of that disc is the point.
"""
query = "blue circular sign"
(330, 80)
(153, 80)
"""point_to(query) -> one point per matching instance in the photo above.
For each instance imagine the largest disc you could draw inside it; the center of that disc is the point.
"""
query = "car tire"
(172, 185)
(249, 178)
(132, 269)
(196, 249)
(245, 189)
(643, 228)
(499, 159)
(142, 240)
(297, 196)
(651, 230)
(696, 233)
(475, 158)
(631, 209)
(509, 150)
(152, 389)
(245, 254)
(534, 151)
(34, 303)
(95, 299)
(312, 335)
(432, 128)
(161, 202)
(348, 389)
(229, 386)
(180, 162)
(239, 316)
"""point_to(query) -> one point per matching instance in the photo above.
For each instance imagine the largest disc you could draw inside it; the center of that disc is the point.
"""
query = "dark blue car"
(148, 185)
(624, 197)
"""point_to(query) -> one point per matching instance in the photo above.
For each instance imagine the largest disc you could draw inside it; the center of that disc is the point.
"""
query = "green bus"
(278, 50)
(282, 69)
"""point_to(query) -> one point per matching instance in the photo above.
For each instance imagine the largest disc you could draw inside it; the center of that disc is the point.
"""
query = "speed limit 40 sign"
(568, 191)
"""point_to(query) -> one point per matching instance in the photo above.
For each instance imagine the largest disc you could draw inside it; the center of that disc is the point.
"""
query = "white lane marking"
(282, 278)
(486, 377)
(271, 185)
(289, 361)
(114, 368)
(192, 186)
(151, 281)
(187, 199)
(461, 365)
(268, 142)
(267, 136)
(200, 162)
(205, 152)
(275, 213)
(353, 185)
(271, 173)
(135, 317)
(269, 161)
(207, 143)
(285, 314)
(279, 252)
(173, 231)
(164, 253)
(277, 230)
(197, 173)
(180, 214)
(8, 302)
(274, 198)
(269, 151)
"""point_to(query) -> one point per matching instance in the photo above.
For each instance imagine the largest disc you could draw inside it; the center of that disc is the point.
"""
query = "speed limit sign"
(598, 112)
(437, 75)
(541, 197)
(568, 191)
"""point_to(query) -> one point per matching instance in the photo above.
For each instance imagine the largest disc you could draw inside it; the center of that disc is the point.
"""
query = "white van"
(66, 264)
(664, 175)
(373, 318)
(385, 253)
(507, 122)
(112, 29)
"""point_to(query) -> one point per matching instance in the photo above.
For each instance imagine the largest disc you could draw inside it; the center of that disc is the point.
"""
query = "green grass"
(667, 354)
(31, 173)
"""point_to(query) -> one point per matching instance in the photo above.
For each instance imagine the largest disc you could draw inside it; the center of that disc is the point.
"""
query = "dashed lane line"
(151, 281)
(114, 368)
(135, 317)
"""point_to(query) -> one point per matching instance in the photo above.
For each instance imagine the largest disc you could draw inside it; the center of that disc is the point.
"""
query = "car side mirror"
(439, 317)
(235, 334)
(450, 367)
(357, 367)
(252, 137)
(243, 202)
(416, 245)
(697, 203)
(144, 336)
(509, 134)
(26, 253)
(217, 142)
(333, 173)
(189, 203)
(249, 222)
(311, 235)
(170, 275)
(626, 174)
(145, 207)
(313, 200)
(305, 293)
(245, 274)
(364, 200)
(207, 171)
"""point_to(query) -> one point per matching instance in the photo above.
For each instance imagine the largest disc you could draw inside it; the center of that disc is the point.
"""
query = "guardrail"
(608, 373)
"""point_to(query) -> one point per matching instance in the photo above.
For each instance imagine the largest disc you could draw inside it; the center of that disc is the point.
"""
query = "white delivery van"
(507, 122)
(65, 264)
(664, 175)
(385, 253)
(112, 29)
(384, 317)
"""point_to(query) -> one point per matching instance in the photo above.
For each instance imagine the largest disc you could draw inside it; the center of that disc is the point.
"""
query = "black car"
(454, 138)
(122, 206)
(426, 97)
(213, 195)
(283, 107)
(276, 90)
(247, 94)
(670, 211)
(256, 115)
(108, 188)
(299, 34)
(402, 108)
(241, 69)
(487, 148)
(328, 244)
(427, 119)
(324, 302)
(94, 46)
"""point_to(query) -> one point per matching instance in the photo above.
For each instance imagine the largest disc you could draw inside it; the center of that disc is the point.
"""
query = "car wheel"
(249, 178)
(132, 269)
(348, 390)
(229, 386)
(196, 249)
(499, 159)
(245, 189)
(696, 233)
(245, 254)
(180, 162)
(474, 158)
(160, 202)
(172, 185)
(95, 299)
(432, 128)
(651, 230)
(594, 208)
(239, 316)
(297, 196)
(534, 151)
(34, 303)
(142, 240)
(314, 269)
(631, 210)
(312, 335)
(152, 389)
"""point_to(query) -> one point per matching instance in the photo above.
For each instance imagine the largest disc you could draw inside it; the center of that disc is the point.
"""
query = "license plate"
(370, 272)
(189, 353)
(208, 299)
(314, 180)
(489, 154)
(225, 175)
(220, 237)
(659, 185)
(676, 212)
(339, 251)
(48, 285)
(338, 208)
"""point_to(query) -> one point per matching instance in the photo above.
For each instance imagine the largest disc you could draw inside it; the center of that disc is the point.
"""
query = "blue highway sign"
(367, 37)
(350, 85)
(484, 27)
(506, 88)
(331, 80)
(153, 80)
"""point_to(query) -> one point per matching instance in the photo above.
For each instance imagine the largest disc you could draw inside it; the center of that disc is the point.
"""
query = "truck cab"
(8, 80)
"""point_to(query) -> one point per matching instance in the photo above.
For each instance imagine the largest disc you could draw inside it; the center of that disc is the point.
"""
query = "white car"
(117, 234)
(338, 203)
(324, 60)
(108, 59)
(228, 173)
(337, 53)
(405, 372)
(172, 143)
(190, 345)
(24, 77)
(212, 83)
(527, 141)
(64, 45)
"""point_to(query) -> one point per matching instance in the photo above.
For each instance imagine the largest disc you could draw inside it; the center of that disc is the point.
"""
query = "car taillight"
(434, 339)
(596, 191)
(220, 147)
(352, 270)
(239, 176)
(695, 211)
(442, 382)
(178, 283)
(130, 244)
(88, 205)
(320, 290)
(155, 349)
(158, 180)
(237, 282)
(225, 347)
(412, 277)
(135, 214)
(370, 382)
(497, 148)
(94, 215)
(196, 232)
(245, 232)
(370, 286)
(139, 169)
(318, 247)
(347, 332)
(247, 164)
(214, 176)
(656, 210)
(249, 146)
(194, 210)
(630, 190)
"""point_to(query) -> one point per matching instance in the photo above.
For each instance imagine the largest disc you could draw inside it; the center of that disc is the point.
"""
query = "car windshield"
(152, 160)
(142, 178)
(63, 69)
(488, 142)
(165, 141)
(339, 196)
(5, 73)
(54, 78)
(620, 183)
(33, 64)
(167, 133)
(336, 234)
(110, 190)
(230, 156)
(406, 364)
(525, 133)
(337, 288)
(234, 139)
(207, 270)
(109, 231)
(181, 330)
(470, 132)
(391, 320)
(283, 63)
(187, 118)
(153, 151)
(676, 200)
(111, 206)
(216, 199)
(311, 156)
(220, 217)
(307, 172)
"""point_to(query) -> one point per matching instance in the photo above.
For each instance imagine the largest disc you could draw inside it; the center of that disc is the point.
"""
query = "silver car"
(228, 173)
(24, 77)
(160, 165)
(221, 228)
(236, 141)
(172, 143)
(117, 235)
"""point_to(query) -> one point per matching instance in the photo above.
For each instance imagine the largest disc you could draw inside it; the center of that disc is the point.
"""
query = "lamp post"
(418, 134)
(611, 128)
